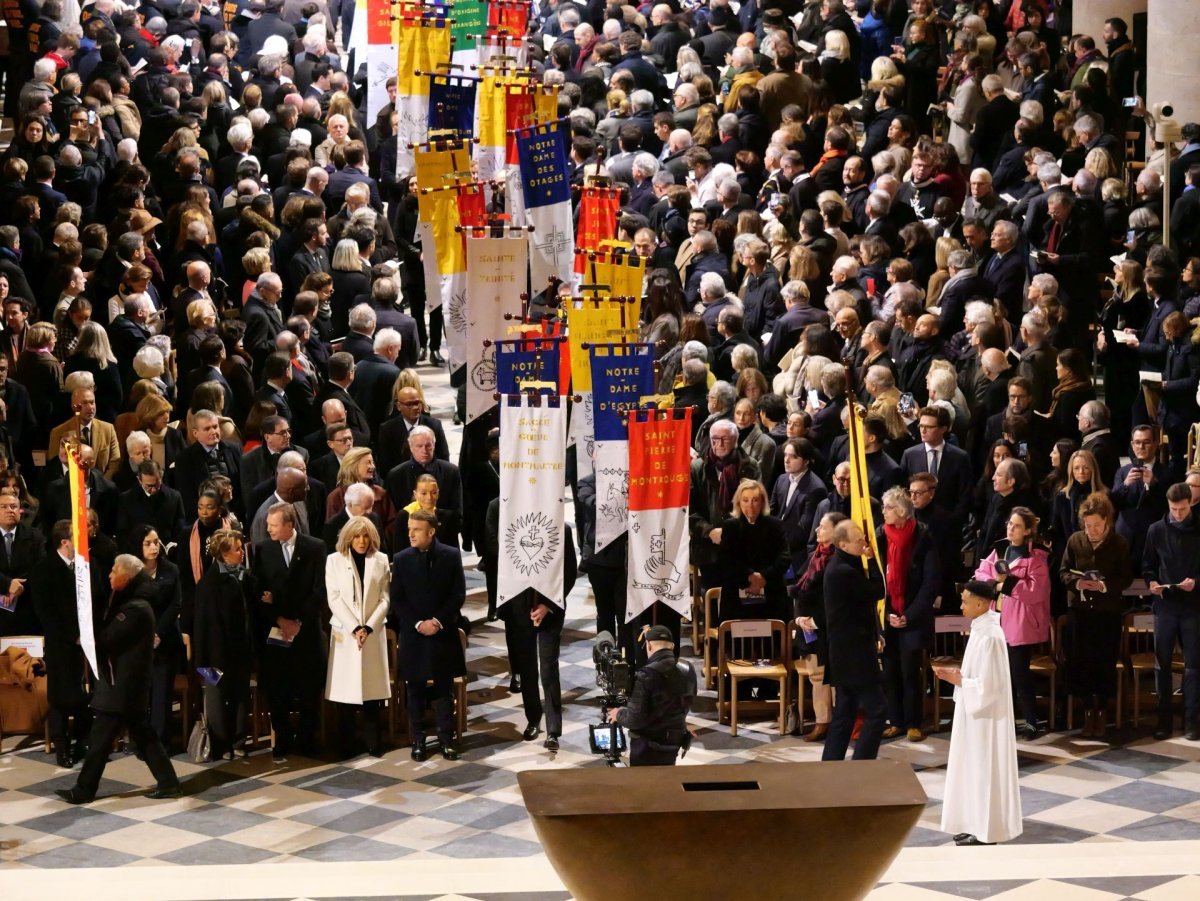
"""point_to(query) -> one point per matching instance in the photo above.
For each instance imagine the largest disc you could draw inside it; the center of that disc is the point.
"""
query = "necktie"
(87, 435)
(8, 545)
(933, 462)
(1052, 239)
(287, 553)
(791, 493)
(991, 265)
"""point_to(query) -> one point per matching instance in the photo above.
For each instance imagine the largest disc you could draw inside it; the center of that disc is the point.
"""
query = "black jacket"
(1170, 556)
(663, 691)
(297, 592)
(922, 587)
(852, 627)
(224, 630)
(53, 585)
(163, 510)
(125, 649)
(798, 516)
(428, 585)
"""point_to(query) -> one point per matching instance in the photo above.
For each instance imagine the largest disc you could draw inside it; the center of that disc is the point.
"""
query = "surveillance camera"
(1163, 110)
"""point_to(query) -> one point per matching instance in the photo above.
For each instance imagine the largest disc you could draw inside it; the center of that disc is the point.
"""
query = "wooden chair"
(697, 615)
(949, 640)
(1045, 662)
(460, 694)
(753, 649)
(1137, 653)
(184, 686)
(712, 601)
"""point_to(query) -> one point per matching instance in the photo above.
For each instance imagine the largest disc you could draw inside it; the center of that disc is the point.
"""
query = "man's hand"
(807, 623)
(951, 674)
(756, 583)
(17, 588)
(157, 642)
(1089, 585)
(715, 536)
(1188, 584)
(1155, 588)
(538, 613)
(897, 622)
(290, 627)
(1133, 476)
(428, 628)
(266, 597)
(1101, 342)
(613, 714)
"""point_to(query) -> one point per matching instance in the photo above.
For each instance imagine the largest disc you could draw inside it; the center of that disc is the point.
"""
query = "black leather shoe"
(78, 752)
(161, 794)
(435, 358)
(450, 750)
(1192, 733)
(531, 732)
(551, 743)
(63, 758)
(73, 796)
(962, 837)
(1162, 733)
(418, 752)
(423, 355)
(514, 685)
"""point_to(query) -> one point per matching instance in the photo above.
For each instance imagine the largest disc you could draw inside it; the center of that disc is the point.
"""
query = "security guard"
(658, 707)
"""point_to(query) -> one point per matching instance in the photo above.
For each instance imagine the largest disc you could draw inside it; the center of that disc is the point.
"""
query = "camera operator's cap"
(774, 17)
(660, 633)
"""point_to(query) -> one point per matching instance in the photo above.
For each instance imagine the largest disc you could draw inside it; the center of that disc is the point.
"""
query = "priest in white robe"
(982, 803)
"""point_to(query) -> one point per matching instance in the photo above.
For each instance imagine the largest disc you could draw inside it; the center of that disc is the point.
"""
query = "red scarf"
(826, 157)
(901, 541)
(726, 472)
(816, 563)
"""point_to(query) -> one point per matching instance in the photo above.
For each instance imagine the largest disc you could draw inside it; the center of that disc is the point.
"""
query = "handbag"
(199, 747)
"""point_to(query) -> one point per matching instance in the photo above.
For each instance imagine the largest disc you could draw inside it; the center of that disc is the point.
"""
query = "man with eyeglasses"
(1139, 492)
(393, 447)
(101, 493)
(838, 501)
(715, 474)
(149, 502)
(339, 441)
(951, 464)
(262, 462)
(1020, 404)
(946, 533)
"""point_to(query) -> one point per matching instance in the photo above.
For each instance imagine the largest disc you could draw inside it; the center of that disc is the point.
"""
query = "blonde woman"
(752, 557)
(94, 354)
(942, 249)
(358, 466)
(357, 578)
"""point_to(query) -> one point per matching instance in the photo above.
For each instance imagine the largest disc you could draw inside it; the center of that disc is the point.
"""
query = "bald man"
(101, 494)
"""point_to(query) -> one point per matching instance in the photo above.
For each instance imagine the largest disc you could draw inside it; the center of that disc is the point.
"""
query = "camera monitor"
(606, 738)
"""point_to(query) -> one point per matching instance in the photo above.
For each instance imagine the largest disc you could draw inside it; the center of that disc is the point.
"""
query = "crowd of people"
(211, 279)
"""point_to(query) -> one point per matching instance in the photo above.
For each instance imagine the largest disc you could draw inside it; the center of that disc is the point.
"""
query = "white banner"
(612, 491)
(412, 127)
(658, 561)
(433, 281)
(495, 280)
(583, 435)
(454, 317)
(551, 244)
(533, 444)
(381, 65)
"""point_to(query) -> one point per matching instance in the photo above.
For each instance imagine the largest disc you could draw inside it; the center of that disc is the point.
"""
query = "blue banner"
(532, 360)
(452, 104)
(622, 374)
(542, 154)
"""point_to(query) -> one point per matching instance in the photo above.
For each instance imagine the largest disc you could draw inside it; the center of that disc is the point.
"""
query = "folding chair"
(753, 649)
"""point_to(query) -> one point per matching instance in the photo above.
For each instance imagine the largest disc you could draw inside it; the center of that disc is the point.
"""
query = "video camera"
(614, 678)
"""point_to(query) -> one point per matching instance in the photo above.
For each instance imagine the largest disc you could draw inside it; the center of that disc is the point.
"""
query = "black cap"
(985, 590)
(719, 17)
(774, 17)
(660, 633)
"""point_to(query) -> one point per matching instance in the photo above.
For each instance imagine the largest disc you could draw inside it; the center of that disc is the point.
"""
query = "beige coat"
(355, 676)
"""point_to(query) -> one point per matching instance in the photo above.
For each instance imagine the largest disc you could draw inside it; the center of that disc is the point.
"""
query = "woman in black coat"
(168, 643)
(351, 279)
(913, 578)
(224, 640)
(752, 558)
(918, 63)
(810, 648)
(1128, 308)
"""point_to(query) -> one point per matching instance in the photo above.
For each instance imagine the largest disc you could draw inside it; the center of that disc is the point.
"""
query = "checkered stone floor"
(252, 811)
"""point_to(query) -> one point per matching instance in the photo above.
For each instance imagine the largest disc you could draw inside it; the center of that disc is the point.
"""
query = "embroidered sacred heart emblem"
(532, 544)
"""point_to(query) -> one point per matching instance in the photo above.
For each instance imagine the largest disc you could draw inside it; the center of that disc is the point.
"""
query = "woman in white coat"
(357, 578)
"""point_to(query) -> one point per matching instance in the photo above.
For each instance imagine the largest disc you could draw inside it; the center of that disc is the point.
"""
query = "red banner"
(508, 18)
(597, 217)
(659, 458)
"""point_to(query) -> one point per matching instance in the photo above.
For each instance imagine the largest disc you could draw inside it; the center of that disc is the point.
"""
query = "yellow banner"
(443, 213)
(419, 48)
(435, 168)
(490, 96)
(596, 323)
(860, 497)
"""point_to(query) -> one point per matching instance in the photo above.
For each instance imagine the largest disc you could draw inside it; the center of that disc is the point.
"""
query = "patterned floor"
(1074, 792)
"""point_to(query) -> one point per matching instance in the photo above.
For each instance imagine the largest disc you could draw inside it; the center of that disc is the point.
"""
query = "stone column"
(1173, 67)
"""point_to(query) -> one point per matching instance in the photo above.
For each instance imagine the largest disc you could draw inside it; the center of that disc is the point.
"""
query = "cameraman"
(662, 696)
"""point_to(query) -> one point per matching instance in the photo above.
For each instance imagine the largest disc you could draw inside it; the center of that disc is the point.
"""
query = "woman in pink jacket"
(1022, 576)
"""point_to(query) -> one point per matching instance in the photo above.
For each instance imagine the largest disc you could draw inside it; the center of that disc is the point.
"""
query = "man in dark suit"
(350, 174)
(402, 478)
(1093, 421)
(1005, 270)
(22, 550)
(1188, 158)
(852, 635)
(291, 572)
(393, 444)
(125, 650)
(951, 465)
(795, 497)
(359, 341)
(1069, 252)
(374, 378)
(993, 123)
(731, 326)
(150, 502)
(707, 259)
(1010, 169)
(428, 590)
(262, 462)
(101, 495)
(261, 314)
(788, 327)
(964, 284)
(206, 457)
(338, 387)
(311, 256)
